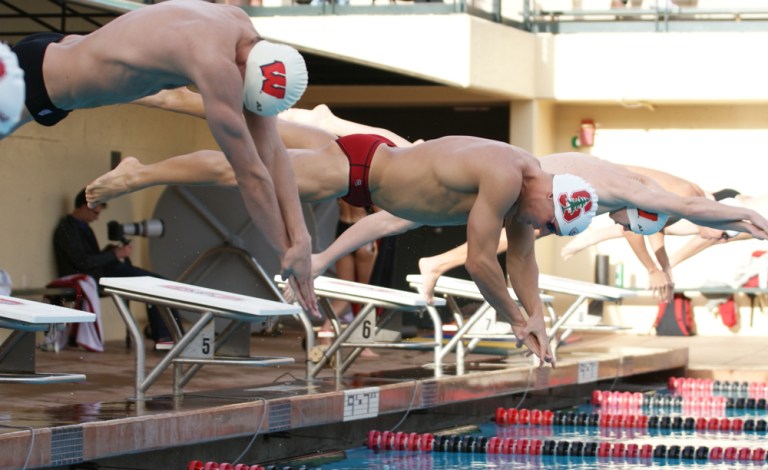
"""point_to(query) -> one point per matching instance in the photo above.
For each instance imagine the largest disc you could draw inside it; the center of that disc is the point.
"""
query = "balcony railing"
(554, 16)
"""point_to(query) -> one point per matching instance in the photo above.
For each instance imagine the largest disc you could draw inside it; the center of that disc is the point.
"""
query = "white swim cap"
(275, 78)
(644, 222)
(12, 89)
(575, 204)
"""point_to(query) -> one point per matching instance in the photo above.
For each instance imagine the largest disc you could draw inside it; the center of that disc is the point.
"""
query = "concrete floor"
(110, 375)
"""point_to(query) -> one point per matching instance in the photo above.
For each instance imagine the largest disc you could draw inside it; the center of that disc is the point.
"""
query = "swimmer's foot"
(324, 116)
(430, 273)
(114, 183)
(369, 354)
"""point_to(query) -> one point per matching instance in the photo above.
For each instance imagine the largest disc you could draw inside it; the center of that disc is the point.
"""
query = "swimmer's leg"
(205, 167)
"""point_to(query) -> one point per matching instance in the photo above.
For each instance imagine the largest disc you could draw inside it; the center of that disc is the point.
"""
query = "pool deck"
(224, 409)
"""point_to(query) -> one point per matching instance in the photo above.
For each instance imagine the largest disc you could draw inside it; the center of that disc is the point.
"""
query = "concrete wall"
(44, 168)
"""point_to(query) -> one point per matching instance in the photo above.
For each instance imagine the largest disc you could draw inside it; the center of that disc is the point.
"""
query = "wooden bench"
(366, 330)
(199, 345)
(17, 353)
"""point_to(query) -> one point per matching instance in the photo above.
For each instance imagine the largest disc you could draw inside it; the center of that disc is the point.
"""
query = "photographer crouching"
(77, 252)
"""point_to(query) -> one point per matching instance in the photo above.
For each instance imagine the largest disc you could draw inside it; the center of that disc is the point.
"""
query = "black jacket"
(77, 250)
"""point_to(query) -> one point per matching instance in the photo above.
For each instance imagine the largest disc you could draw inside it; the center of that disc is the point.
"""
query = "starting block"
(480, 325)
(367, 330)
(583, 291)
(199, 345)
(17, 353)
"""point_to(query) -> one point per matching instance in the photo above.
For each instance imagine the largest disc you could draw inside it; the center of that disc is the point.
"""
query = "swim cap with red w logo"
(575, 204)
(275, 78)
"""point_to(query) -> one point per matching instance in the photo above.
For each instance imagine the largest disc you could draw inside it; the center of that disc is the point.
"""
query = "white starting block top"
(348, 290)
(464, 288)
(17, 363)
(24, 311)
(200, 296)
(582, 288)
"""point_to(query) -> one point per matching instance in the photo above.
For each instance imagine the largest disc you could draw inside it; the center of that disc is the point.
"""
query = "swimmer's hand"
(534, 336)
(296, 269)
(288, 295)
(662, 285)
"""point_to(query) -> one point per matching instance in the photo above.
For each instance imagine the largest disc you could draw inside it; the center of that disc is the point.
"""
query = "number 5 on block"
(202, 346)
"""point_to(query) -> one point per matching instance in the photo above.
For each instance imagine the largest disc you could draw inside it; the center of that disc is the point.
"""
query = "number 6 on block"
(366, 331)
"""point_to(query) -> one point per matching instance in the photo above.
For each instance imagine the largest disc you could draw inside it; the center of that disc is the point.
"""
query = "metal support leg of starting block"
(459, 336)
(182, 376)
(341, 337)
(144, 381)
(552, 333)
(254, 265)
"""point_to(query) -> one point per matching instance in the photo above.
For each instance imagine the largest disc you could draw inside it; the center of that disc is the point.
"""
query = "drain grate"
(66, 445)
(428, 394)
(279, 416)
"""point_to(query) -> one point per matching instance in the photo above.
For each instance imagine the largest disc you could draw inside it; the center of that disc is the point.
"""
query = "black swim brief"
(341, 227)
(30, 52)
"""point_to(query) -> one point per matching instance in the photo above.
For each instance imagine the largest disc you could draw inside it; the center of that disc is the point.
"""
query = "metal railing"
(553, 16)
(657, 15)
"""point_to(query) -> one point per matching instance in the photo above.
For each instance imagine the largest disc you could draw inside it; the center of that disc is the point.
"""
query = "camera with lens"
(150, 228)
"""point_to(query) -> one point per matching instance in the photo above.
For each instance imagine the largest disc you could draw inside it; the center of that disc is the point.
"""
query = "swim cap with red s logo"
(575, 204)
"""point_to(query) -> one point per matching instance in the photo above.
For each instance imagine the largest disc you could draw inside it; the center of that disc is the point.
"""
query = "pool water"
(699, 427)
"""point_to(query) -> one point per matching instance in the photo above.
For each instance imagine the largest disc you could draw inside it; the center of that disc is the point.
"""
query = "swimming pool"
(689, 423)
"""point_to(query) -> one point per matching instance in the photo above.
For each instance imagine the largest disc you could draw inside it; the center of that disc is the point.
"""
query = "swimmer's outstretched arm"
(698, 210)
(366, 230)
(295, 266)
(523, 274)
(659, 270)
